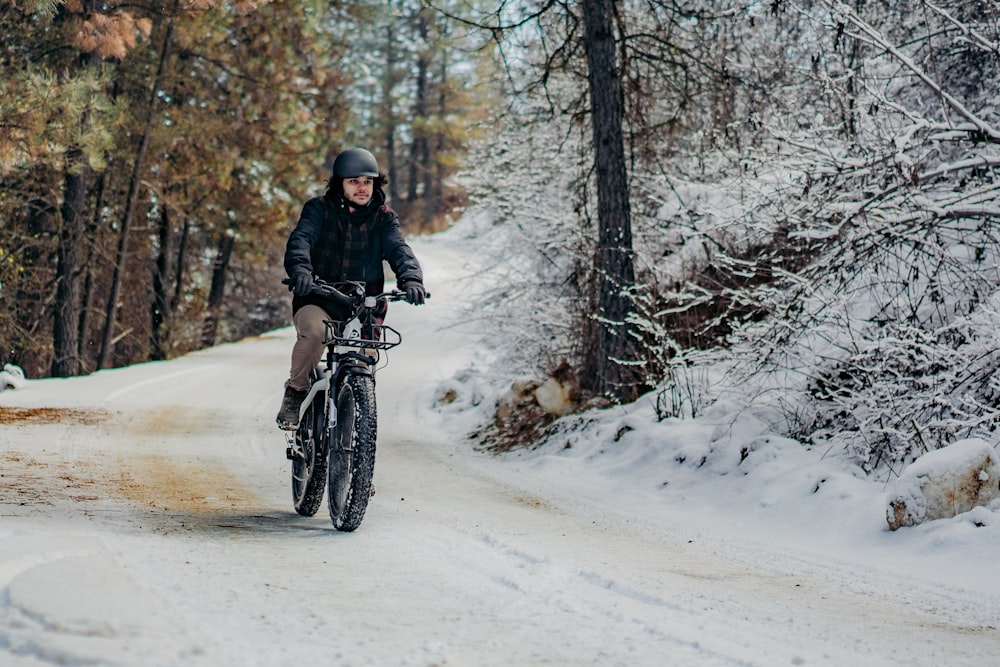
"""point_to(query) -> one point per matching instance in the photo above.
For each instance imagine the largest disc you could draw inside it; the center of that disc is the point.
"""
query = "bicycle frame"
(344, 337)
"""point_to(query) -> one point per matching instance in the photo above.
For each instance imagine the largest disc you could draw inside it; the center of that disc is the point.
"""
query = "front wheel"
(352, 461)
(309, 462)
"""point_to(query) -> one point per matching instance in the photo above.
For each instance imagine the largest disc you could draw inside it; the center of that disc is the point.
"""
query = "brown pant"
(310, 328)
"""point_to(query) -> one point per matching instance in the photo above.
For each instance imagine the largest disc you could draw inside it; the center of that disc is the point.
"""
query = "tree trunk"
(35, 294)
(90, 268)
(107, 342)
(389, 117)
(434, 190)
(612, 364)
(66, 321)
(182, 246)
(418, 150)
(161, 301)
(426, 161)
(216, 295)
(65, 335)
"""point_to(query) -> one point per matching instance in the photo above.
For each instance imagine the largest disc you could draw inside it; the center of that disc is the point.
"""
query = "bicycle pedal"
(293, 451)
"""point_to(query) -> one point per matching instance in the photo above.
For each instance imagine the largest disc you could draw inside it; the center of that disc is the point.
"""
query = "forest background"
(792, 201)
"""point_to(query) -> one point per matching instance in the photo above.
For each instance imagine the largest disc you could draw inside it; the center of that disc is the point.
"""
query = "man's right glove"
(302, 283)
(415, 292)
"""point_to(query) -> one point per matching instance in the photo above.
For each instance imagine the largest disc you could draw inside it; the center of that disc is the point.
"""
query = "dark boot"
(288, 415)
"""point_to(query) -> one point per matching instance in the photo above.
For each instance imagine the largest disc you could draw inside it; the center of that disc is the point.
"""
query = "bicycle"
(333, 447)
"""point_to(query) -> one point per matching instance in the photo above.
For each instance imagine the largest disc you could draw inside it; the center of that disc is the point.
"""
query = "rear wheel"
(309, 462)
(352, 461)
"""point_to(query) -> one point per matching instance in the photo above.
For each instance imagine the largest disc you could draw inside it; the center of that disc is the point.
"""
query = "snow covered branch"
(983, 130)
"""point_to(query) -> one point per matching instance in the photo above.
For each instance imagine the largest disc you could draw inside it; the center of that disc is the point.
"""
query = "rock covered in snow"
(560, 393)
(553, 397)
(11, 377)
(945, 483)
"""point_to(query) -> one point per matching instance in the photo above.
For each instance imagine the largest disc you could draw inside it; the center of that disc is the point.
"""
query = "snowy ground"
(145, 519)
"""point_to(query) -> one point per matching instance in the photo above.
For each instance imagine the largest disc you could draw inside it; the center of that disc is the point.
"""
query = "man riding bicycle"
(343, 235)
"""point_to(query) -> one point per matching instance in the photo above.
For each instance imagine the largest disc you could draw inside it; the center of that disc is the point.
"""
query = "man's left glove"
(415, 292)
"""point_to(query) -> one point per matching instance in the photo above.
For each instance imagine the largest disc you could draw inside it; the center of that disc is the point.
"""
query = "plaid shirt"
(356, 234)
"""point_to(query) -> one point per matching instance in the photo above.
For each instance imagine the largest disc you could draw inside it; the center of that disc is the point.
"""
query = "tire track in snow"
(577, 567)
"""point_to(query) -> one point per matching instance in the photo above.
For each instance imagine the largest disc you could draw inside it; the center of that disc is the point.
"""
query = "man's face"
(358, 190)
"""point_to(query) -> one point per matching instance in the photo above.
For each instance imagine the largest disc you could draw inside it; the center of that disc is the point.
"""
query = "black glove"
(415, 293)
(301, 283)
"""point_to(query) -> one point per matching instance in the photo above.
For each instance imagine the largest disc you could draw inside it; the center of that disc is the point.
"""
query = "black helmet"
(355, 162)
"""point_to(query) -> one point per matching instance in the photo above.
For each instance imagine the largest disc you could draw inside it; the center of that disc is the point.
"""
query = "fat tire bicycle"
(333, 447)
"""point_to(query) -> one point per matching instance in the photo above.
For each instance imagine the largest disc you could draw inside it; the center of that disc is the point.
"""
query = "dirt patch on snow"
(92, 476)
(167, 484)
(26, 481)
(52, 416)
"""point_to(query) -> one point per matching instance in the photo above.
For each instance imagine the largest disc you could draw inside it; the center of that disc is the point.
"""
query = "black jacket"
(334, 244)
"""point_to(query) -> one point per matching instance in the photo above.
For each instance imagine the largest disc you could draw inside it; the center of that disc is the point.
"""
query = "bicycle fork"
(293, 438)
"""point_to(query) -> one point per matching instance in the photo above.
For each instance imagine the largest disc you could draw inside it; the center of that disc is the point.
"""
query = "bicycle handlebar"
(323, 288)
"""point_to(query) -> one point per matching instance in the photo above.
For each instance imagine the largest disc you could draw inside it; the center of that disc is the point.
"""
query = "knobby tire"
(353, 457)
(309, 471)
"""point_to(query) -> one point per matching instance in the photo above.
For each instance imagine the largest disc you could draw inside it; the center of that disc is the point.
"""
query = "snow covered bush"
(814, 199)
(886, 331)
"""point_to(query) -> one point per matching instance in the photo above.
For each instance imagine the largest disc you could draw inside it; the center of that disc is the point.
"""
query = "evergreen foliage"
(154, 158)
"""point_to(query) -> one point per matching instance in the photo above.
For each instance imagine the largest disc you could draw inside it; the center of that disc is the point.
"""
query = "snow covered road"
(145, 519)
